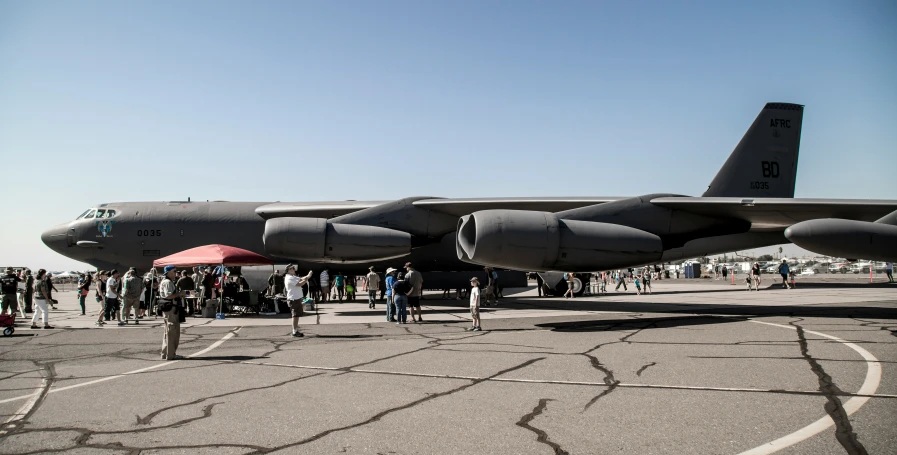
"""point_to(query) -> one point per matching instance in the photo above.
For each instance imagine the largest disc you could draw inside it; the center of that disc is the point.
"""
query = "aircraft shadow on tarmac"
(602, 325)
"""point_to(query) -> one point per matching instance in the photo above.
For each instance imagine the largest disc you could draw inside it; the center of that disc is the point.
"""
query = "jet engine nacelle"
(539, 241)
(315, 239)
(846, 238)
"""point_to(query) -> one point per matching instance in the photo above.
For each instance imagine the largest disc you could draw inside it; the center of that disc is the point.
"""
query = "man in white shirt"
(373, 281)
(475, 304)
(293, 288)
(112, 308)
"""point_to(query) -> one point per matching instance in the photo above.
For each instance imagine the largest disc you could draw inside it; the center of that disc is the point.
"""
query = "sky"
(104, 101)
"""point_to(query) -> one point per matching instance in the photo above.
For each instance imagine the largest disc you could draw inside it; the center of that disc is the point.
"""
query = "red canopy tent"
(213, 255)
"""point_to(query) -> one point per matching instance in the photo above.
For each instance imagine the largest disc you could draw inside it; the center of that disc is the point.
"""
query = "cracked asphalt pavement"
(692, 369)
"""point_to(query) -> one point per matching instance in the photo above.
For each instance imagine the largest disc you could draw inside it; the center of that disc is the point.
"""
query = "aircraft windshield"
(89, 214)
(82, 215)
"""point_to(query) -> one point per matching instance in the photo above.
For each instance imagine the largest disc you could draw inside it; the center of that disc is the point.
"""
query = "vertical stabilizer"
(764, 163)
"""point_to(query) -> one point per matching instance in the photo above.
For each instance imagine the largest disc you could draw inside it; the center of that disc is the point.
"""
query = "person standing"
(29, 290)
(755, 275)
(168, 304)
(112, 306)
(491, 291)
(185, 283)
(400, 290)
(20, 293)
(475, 304)
(725, 273)
(50, 289)
(340, 282)
(783, 270)
(293, 287)
(889, 269)
(101, 297)
(9, 286)
(325, 285)
(646, 279)
(414, 278)
(84, 283)
(41, 298)
(390, 302)
(131, 291)
(373, 286)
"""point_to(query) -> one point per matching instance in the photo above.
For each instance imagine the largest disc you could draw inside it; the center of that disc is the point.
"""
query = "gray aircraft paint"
(848, 238)
(622, 231)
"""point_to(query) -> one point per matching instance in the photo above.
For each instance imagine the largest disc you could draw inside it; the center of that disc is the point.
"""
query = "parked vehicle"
(839, 268)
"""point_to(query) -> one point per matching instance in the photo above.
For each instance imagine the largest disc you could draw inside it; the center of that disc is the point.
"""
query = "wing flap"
(780, 212)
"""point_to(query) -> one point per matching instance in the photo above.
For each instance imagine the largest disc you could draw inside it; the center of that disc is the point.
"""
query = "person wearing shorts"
(475, 304)
(293, 288)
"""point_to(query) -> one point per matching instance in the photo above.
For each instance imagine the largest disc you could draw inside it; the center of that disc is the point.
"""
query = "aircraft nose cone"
(55, 237)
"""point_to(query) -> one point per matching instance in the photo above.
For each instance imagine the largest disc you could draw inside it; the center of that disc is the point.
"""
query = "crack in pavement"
(541, 436)
(30, 407)
(642, 369)
(609, 378)
(833, 407)
(384, 413)
(149, 417)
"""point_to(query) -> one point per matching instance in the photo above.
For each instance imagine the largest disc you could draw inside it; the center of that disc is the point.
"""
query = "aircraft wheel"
(8, 331)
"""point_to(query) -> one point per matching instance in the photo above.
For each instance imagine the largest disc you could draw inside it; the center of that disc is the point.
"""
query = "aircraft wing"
(455, 207)
(776, 213)
(461, 207)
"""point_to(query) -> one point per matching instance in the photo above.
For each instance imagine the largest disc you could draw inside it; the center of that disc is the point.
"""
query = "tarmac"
(699, 366)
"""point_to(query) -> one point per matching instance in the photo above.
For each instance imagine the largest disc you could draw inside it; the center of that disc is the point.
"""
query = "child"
(747, 281)
(638, 286)
(475, 304)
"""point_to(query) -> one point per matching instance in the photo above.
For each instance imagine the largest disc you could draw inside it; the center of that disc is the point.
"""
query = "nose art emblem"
(105, 228)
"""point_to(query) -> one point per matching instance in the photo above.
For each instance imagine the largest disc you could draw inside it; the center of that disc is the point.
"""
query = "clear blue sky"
(265, 101)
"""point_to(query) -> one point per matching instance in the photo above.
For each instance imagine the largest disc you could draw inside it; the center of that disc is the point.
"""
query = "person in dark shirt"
(400, 291)
(9, 285)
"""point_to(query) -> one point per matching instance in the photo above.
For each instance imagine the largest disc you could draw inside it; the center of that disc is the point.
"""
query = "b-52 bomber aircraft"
(748, 204)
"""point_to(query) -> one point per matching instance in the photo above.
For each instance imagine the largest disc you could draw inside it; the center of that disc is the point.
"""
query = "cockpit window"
(89, 214)
(101, 213)
(110, 213)
(82, 215)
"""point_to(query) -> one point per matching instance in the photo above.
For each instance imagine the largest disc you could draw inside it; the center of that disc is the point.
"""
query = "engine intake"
(539, 241)
(316, 239)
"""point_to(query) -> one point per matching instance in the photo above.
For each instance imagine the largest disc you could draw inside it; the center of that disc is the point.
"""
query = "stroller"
(8, 321)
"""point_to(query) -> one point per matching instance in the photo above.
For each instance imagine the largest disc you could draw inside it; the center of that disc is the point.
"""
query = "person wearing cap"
(416, 281)
(475, 305)
(390, 302)
(9, 285)
(293, 288)
(373, 285)
(131, 291)
(168, 295)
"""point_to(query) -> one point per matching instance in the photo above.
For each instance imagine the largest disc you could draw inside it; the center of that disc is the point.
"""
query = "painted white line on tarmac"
(35, 395)
(870, 385)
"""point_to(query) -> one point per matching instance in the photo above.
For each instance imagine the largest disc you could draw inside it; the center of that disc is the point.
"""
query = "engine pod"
(526, 240)
(846, 238)
(315, 239)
